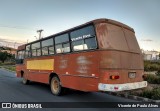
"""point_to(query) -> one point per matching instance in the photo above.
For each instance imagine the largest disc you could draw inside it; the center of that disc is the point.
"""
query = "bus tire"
(55, 86)
(24, 80)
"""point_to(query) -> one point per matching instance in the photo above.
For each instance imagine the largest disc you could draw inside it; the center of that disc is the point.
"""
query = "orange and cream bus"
(100, 55)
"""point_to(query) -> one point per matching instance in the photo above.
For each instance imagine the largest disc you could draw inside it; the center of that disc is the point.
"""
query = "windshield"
(20, 54)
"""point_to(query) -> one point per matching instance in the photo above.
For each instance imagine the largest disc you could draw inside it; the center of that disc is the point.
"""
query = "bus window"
(51, 50)
(47, 42)
(91, 43)
(62, 43)
(78, 45)
(45, 51)
(59, 48)
(38, 52)
(47, 47)
(20, 54)
(36, 49)
(20, 57)
(83, 33)
(83, 39)
(112, 37)
(34, 52)
(132, 41)
(66, 47)
(28, 51)
(61, 38)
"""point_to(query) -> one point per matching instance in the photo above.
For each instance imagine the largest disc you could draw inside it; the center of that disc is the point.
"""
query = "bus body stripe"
(47, 64)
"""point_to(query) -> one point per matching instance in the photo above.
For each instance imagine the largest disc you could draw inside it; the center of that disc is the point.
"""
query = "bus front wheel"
(55, 86)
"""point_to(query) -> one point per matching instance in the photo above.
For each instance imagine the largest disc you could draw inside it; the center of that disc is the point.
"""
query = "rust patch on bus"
(63, 63)
(83, 64)
(103, 33)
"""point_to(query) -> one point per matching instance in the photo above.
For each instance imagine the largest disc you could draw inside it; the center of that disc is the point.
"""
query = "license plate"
(132, 74)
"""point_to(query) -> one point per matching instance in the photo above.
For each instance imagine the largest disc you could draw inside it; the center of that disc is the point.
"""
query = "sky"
(20, 19)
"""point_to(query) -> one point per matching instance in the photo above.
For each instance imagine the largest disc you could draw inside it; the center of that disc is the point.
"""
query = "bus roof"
(112, 22)
(96, 21)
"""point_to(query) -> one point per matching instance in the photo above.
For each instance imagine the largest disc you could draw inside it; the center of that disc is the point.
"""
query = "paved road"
(12, 90)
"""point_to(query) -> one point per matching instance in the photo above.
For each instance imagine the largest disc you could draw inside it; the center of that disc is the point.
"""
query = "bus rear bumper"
(121, 87)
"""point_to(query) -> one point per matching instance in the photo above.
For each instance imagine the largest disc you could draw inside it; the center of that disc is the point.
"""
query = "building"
(151, 55)
(8, 49)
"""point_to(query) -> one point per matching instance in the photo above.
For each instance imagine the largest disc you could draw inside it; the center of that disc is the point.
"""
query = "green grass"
(9, 67)
(7, 63)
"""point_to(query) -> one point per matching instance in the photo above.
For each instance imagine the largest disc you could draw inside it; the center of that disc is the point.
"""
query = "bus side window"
(47, 47)
(62, 43)
(28, 51)
(36, 49)
(66, 47)
(51, 49)
(59, 48)
(83, 39)
(91, 43)
(78, 45)
(44, 50)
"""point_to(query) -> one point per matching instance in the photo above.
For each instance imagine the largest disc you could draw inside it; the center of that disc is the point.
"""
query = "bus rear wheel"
(24, 80)
(55, 86)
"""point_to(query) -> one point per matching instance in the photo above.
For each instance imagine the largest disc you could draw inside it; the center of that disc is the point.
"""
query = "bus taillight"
(114, 77)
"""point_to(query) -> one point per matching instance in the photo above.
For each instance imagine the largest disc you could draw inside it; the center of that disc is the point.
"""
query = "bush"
(152, 94)
(158, 73)
(156, 94)
(146, 94)
(158, 80)
(151, 66)
(151, 78)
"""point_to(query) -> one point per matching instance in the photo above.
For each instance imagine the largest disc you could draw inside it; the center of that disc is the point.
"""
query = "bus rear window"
(132, 41)
(111, 37)
(115, 37)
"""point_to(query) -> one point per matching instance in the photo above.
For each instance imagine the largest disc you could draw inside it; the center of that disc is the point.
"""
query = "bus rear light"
(114, 77)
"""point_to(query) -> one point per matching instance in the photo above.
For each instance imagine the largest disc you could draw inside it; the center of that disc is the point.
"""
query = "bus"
(100, 55)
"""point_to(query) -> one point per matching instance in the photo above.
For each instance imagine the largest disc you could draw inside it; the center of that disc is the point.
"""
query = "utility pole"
(40, 31)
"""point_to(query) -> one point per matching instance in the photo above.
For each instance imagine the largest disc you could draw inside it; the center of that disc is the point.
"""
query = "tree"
(3, 56)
